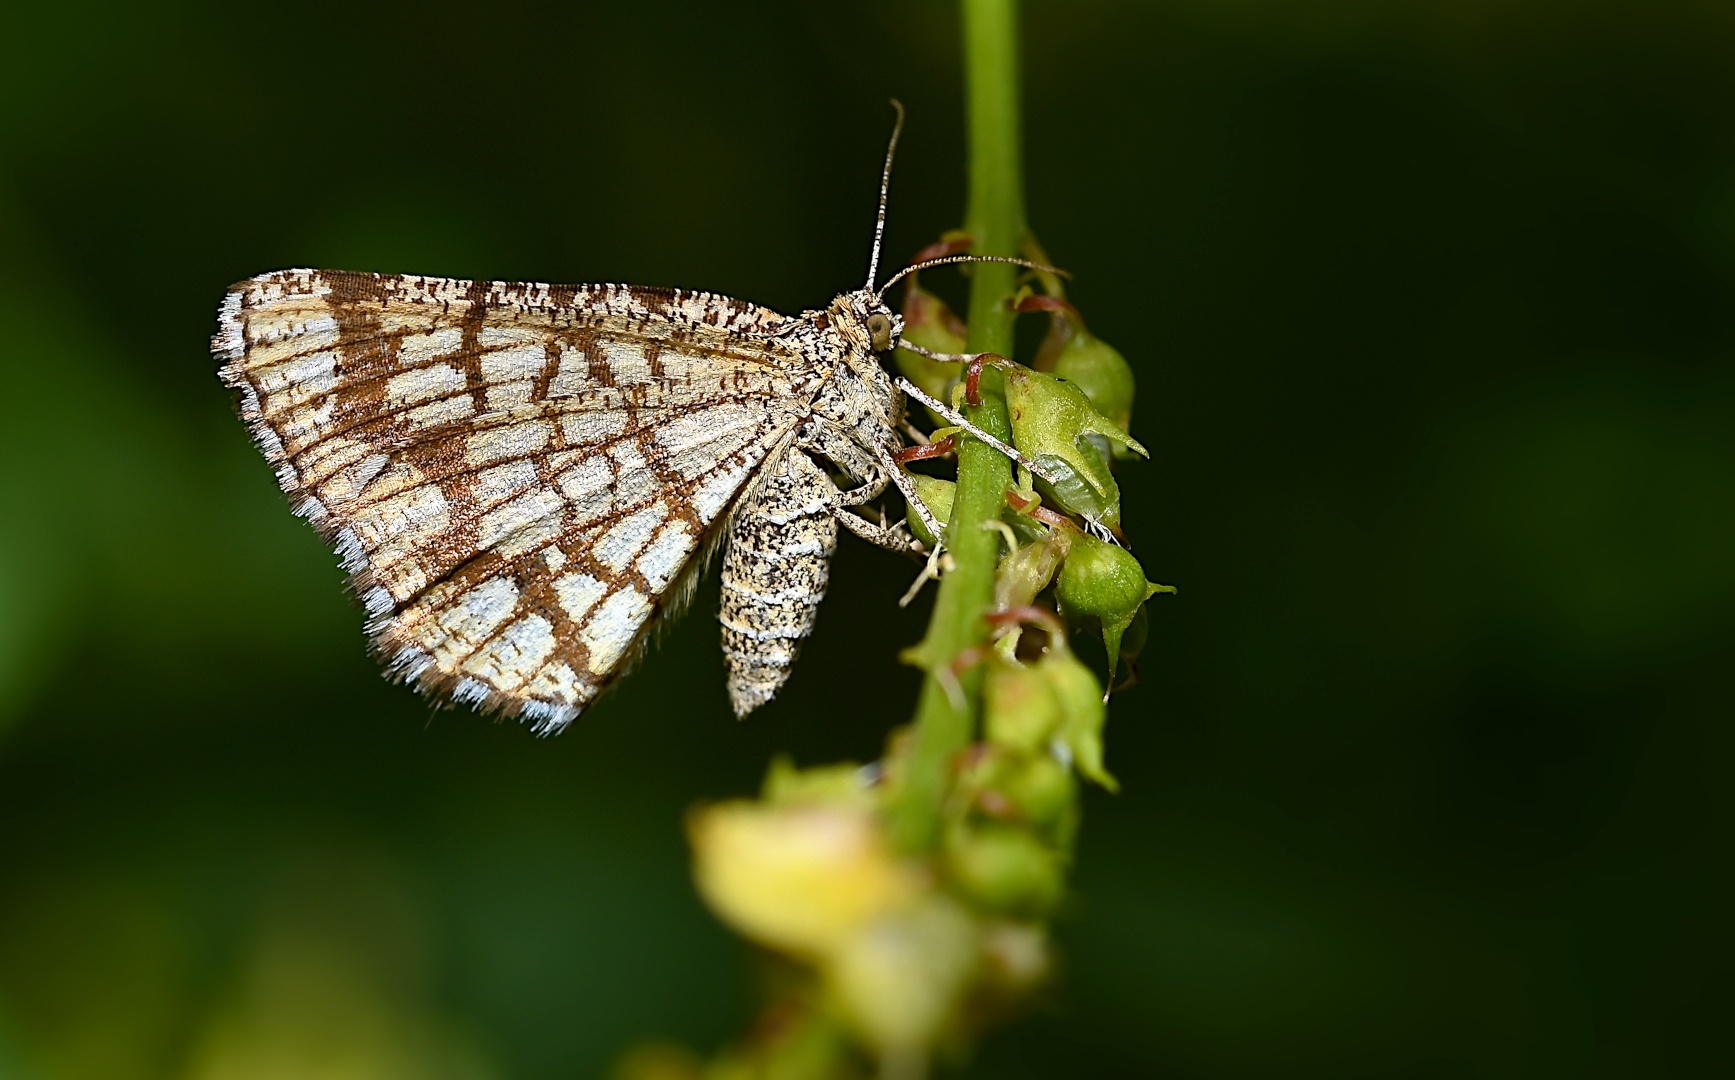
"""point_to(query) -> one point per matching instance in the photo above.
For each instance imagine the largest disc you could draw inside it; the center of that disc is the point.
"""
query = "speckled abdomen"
(775, 569)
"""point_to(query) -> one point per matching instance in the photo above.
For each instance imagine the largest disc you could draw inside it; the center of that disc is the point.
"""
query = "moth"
(524, 479)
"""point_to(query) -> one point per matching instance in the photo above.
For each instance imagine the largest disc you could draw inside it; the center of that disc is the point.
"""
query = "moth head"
(862, 318)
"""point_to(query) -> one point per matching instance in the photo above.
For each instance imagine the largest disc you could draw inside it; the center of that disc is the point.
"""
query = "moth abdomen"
(776, 565)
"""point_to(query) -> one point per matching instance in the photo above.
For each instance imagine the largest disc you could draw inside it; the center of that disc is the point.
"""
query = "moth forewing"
(522, 479)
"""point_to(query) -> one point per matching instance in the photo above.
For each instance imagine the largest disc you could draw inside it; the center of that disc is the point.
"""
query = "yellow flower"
(900, 978)
(799, 877)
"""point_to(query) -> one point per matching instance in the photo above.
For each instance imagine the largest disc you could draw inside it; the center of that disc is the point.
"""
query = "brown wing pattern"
(516, 475)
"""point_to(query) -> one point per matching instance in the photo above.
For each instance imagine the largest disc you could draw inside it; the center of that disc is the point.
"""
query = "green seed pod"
(1103, 581)
(937, 494)
(1019, 708)
(1052, 421)
(1043, 792)
(1033, 789)
(1072, 352)
(1004, 867)
(1027, 571)
(1082, 712)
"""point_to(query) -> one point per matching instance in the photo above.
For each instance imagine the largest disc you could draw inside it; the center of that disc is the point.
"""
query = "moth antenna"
(885, 185)
(944, 259)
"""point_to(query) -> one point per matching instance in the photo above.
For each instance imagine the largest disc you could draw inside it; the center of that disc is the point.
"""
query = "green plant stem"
(946, 718)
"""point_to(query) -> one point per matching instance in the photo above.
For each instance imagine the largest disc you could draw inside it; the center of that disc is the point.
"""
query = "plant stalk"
(946, 718)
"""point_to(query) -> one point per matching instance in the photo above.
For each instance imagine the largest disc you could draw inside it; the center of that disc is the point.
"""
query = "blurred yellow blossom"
(802, 877)
(899, 978)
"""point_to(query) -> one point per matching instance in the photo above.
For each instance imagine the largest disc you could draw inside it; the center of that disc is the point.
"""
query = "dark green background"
(1430, 308)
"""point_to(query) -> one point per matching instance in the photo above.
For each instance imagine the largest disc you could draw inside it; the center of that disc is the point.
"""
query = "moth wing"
(520, 478)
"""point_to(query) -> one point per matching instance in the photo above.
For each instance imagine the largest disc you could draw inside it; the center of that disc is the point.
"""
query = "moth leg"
(889, 537)
(837, 445)
(875, 471)
(880, 471)
(855, 496)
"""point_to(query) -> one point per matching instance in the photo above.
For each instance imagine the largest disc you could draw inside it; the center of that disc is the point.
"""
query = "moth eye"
(879, 329)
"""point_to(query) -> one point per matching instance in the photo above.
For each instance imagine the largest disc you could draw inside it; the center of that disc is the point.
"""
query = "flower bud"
(1027, 571)
(1091, 490)
(930, 323)
(1052, 421)
(1083, 712)
(1072, 352)
(937, 494)
(1026, 788)
(899, 978)
(1004, 867)
(1031, 708)
(1019, 708)
(801, 877)
(1017, 955)
(1103, 581)
(1043, 791)
(1095, 367)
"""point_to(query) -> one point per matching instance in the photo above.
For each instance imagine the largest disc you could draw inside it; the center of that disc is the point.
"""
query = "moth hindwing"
(521, 479)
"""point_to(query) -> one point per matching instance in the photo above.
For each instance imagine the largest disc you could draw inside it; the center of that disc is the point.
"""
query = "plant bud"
(1072, 352)
(899, 978)
(1052, 421)
(799, 877)
(1031, 788)
(1017, 954)
(1004, 867)
(1083, 712)
(1019, 708)
(937, 494)
(1027, 571)
(1029, 708)
(1091, 491)
(837, 785)
(1043, 791)
(930, 323)
(1103, 581)
(1095, 367)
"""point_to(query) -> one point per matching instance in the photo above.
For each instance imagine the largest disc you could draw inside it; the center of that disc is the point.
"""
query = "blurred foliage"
(1429, 308)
